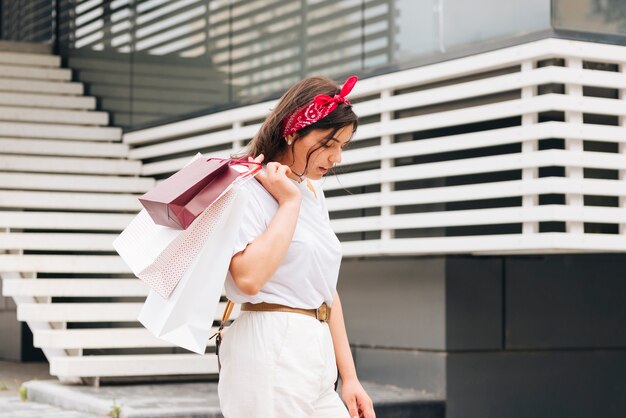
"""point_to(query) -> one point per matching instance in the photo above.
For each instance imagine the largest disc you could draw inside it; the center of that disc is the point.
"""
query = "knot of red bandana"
(321, 106)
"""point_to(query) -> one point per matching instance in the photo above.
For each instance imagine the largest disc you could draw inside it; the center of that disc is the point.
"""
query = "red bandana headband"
(319, 108)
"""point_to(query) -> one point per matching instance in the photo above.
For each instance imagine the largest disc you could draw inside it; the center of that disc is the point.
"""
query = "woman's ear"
(290, 138)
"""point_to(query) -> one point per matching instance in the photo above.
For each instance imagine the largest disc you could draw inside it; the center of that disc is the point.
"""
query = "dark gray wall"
(519, 336)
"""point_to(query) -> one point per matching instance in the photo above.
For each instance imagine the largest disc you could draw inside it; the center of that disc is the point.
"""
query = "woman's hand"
(276, 182)
(358, 402)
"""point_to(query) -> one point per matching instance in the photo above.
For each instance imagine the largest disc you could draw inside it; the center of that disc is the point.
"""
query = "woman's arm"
(353, 394)
(253, 267)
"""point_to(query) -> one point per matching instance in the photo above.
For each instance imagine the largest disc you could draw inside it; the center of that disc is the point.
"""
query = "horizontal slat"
(482, 139)
(74, 287)
(194, 142)
(57, 242)
(63, 148)
(73, 201)
(63, 263)
(74, 117)
(491, 216)
(47, 101)
(493, 111)
(69, 165)
(65, 220)
(86, 312)
(133, 365)
(543, 243)
(54, 131)
(469, 192)
(37, 73)
(26, 181)
(21, 58)
(505, 162)
(34, 86)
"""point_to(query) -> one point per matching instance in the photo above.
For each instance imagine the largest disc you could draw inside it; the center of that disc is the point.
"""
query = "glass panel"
(437, 26)
(599, 16)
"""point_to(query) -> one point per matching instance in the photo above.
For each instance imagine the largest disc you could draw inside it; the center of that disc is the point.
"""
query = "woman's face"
(322, 159)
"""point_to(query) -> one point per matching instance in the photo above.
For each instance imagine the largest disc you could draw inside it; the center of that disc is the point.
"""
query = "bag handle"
(218, 335)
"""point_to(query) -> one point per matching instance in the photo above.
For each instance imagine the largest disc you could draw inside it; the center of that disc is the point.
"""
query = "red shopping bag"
(180, 199)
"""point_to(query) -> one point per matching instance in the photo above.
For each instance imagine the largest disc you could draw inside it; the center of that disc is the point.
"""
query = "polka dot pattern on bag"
(164, 275)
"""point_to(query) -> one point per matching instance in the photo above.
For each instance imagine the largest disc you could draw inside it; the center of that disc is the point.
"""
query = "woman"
(282, 356)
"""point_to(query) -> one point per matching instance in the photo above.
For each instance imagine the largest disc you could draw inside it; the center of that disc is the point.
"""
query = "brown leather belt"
(322, 313)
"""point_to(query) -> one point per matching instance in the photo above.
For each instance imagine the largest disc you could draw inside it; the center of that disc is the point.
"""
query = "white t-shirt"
(308, 273)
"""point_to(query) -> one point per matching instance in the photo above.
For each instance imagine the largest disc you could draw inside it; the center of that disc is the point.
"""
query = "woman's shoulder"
(257, 192)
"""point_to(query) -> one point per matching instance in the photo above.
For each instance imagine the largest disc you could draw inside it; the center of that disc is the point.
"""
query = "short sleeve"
(253, 223)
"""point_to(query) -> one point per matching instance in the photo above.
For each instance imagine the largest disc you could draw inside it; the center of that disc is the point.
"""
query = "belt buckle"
(321, 313)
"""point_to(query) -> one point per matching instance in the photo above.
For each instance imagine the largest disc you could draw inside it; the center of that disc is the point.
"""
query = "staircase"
(67, 190)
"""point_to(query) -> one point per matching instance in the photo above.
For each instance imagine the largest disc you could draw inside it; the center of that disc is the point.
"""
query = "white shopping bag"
(186, 317)
(160, 255)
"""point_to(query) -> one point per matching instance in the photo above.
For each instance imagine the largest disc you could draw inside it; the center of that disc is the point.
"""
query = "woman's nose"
(335, 157)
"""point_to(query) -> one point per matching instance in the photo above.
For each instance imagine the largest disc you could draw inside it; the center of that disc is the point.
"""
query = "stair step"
(53, 131)
(101, 338)
(25, 58)
(74, 287)
(47, 101)
(57, 241)
(82, 183)
(133, 365)
(64, 263)
(69, 165)
(26, 48)
(35, 86)
(29, 72)
(64, 148)
(70, 201)
(87, 312)
(75, 117)
(65, 220)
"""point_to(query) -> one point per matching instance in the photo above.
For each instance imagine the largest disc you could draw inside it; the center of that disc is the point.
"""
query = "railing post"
(529, 173)
(237, 143)
(574, 145)
(385, 165)
(622, 146)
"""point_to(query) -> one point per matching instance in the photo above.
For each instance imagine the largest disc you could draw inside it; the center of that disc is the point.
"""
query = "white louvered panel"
(543, 243)
(546, 185)
(492, 216)
(477, 165)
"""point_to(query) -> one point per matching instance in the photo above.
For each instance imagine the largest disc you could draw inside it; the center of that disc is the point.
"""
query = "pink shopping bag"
(180, 199)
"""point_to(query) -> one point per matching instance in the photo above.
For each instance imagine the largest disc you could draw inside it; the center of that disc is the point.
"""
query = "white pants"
(278, 365)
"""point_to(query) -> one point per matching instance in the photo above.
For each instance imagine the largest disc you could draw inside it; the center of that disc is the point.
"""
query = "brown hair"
(269, 140)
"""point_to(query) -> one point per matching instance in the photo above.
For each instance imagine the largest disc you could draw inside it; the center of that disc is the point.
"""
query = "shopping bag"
(185, 319)
(160, 255)
(179, 200)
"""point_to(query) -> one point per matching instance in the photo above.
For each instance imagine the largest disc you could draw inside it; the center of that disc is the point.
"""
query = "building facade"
(481, 207)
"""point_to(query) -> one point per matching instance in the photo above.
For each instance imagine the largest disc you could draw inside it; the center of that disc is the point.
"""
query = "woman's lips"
(323, 170)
